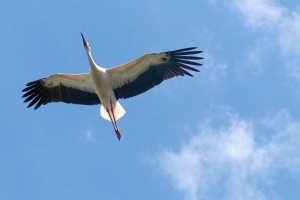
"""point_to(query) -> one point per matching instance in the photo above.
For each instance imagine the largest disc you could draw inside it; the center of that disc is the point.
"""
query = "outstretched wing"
(149, 70)
(67, 88)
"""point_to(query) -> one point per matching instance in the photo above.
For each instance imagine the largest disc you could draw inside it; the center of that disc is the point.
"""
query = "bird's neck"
(89, 55)
(91, 61)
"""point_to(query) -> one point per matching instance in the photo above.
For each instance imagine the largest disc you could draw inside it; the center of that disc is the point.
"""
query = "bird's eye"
(89, 45)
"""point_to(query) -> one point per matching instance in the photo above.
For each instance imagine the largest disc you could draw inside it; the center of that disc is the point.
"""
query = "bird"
(106, 86)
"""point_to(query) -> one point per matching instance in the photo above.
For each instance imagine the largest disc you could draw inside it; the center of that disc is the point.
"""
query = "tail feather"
(118, 111)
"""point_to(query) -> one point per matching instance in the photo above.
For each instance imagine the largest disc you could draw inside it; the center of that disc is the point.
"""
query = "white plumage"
(106, 86)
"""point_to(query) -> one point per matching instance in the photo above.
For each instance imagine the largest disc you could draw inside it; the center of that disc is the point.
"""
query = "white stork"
(106, 86)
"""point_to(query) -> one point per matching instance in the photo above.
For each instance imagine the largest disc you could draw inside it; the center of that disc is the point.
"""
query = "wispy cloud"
(239, 156)
(215, 70)
(256, 55)
(282, 23)
(289, 33)
(277, 19)
(90, 136)
(259, 12)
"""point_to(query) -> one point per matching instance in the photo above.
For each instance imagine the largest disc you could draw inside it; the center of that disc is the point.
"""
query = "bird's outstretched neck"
(90, 58)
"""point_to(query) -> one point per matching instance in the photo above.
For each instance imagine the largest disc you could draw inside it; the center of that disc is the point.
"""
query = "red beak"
(84, 41)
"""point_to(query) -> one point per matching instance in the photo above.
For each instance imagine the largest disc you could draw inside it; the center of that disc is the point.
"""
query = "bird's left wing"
(149, 70)
(67, 88)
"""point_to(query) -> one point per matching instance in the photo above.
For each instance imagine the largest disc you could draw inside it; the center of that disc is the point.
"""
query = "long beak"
(84, 41)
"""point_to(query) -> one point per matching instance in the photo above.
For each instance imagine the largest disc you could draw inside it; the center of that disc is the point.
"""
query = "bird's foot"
(118, 134)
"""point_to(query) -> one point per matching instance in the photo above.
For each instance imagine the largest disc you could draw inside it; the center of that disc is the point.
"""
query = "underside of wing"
(150, 70)
(67, 88)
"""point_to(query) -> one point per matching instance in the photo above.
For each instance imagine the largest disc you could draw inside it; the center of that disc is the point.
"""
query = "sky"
(230, 132)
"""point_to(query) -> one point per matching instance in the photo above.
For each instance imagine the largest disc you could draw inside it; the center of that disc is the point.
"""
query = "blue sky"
(230, 132)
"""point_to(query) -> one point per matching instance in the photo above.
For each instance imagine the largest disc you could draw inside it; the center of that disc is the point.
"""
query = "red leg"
(112, 110)
(111, 118)
(116, 129)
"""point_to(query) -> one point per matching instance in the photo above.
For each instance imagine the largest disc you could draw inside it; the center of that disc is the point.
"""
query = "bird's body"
(102, 86)
(111, 109)
(106, 86)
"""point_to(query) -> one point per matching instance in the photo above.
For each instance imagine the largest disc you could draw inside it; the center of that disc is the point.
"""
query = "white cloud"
(237, 160)
(256, 55)
(259, 12)
(188, 165)
(289, 33)
(282, 23)
(89, 136)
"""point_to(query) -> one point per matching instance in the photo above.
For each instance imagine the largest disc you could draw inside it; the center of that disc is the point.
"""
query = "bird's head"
(86, 45)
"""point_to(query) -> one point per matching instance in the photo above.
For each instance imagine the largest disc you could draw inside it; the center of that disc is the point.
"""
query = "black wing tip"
(195, 70)
(186, 72)
(36, 100)
(188, 57)
(188, 62)
(185, 58)
(182, 50)
(36, 107)
(31, 85)
(31, 93)
(187, 52)
(33, 82)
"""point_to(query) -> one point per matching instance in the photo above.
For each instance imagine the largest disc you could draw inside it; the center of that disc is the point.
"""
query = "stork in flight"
(106, 86)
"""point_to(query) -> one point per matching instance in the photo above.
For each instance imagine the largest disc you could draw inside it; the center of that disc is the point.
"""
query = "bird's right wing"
(149, 70)
(67, 88)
